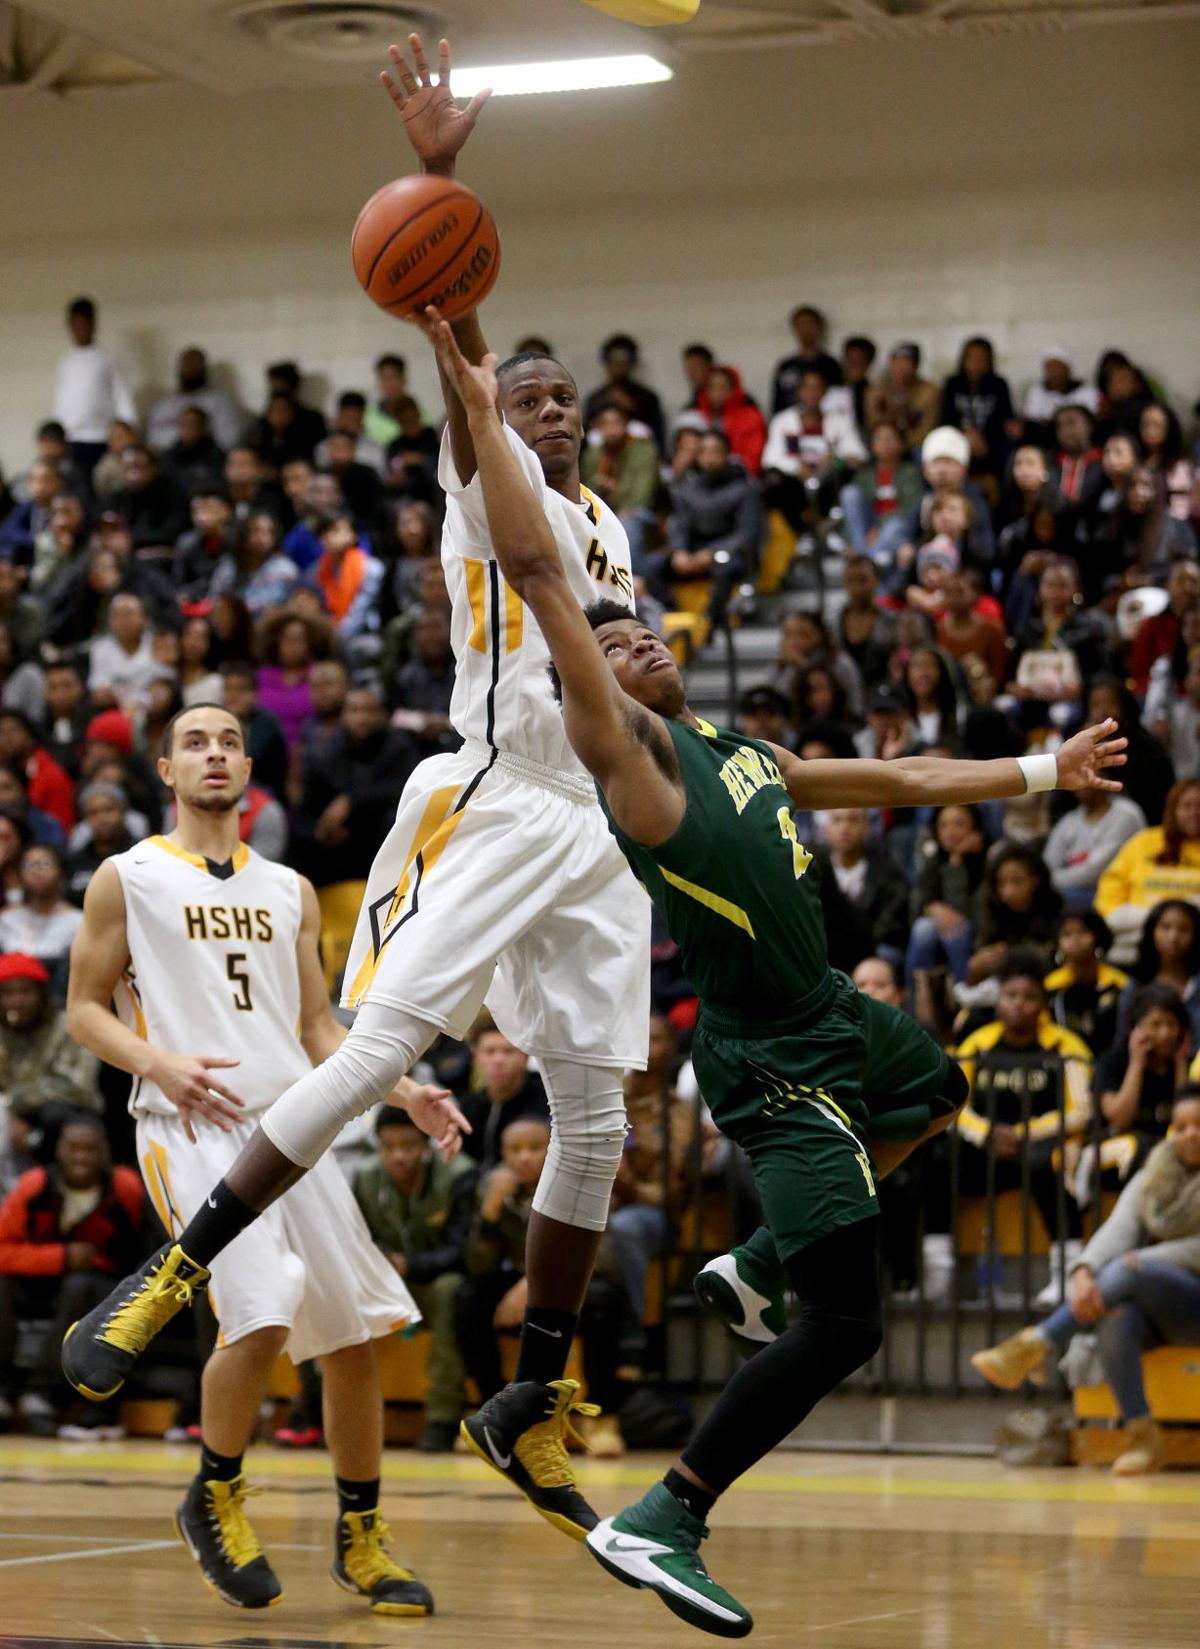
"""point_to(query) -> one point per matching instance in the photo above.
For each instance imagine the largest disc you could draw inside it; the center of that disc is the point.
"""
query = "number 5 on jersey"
(801, 857)
(235, 969)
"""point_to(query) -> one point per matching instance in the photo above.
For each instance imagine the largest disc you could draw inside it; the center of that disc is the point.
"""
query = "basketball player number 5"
(235, 970)
(801, 857)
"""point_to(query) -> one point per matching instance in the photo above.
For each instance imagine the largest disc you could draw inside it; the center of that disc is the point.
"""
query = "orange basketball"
(423, 240)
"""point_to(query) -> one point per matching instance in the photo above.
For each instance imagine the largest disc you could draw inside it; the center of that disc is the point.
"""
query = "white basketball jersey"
(213, 967)
(503, 695)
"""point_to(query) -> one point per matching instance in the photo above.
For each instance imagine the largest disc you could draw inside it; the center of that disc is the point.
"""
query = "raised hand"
(1083, 759)
(475, 386)
(437, 128)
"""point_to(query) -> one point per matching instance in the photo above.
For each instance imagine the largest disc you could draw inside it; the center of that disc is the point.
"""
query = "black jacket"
(885, 895)
(372, 772)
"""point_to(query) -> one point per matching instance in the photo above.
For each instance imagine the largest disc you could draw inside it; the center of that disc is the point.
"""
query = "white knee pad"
(382, 1046)
(587, 1110)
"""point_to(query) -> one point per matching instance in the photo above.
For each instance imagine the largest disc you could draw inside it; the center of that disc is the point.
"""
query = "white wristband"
(1039, 772)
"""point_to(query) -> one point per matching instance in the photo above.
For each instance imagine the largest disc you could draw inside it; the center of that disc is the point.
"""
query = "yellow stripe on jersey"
(514, 609)
(241, 854)
(139, 1018)
(428, 840)
(476, 597)
(712, 901)
(588, 497)
(705, 727)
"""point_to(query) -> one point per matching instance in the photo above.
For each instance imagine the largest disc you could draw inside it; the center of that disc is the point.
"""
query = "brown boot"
(1145, 1450)
(1013, 1360)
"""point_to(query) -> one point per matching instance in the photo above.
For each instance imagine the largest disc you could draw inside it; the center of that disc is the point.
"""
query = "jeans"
(1148, 1304)
(927, 949)
(859, 517)
(638, 1233)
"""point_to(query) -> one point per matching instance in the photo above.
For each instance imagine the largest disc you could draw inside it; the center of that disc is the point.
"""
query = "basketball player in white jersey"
(500, 881)
(193, 940)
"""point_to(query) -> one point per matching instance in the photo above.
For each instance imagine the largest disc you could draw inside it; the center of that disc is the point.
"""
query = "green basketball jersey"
(734, 884)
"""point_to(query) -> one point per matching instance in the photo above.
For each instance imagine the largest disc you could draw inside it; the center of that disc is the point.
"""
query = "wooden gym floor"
(844, 1552)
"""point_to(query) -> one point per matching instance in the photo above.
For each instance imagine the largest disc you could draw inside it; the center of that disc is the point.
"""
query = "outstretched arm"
(921, 781)
(437, 129)
(614, 737)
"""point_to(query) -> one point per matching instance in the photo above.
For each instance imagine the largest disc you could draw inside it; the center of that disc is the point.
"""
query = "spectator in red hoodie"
(50, 787)
(1157, 637)
(727, 407)
(65, 1232)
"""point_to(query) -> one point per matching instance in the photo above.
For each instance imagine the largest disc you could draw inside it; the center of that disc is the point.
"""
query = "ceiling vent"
(332, 31)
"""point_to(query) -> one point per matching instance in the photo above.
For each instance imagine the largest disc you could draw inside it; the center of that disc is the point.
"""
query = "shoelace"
(228, 1518)
(544, 1447)
(139, 1319)
(369, 1556)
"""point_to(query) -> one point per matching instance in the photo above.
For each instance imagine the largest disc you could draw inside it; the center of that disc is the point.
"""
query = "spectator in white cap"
(945, 461)
(1059, 387)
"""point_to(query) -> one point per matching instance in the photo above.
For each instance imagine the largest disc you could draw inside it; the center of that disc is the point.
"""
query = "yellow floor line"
(1071, 1486)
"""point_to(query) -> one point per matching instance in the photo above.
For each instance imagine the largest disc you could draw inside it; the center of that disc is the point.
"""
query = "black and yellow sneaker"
(364, 1565)
(213, 1525)
(522, 1432)
(99, 1350)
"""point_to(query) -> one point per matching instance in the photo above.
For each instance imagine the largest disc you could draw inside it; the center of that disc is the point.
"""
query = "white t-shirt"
(90, 393)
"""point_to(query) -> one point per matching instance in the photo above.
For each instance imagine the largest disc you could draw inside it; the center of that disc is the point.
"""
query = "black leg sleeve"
(838, 1329)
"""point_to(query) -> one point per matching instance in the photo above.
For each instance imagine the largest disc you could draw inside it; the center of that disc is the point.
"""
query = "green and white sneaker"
(747, 1305)
(656, 1544)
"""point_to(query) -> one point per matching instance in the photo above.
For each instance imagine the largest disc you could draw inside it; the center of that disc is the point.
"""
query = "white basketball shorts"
(307, 1264)
(500, 882)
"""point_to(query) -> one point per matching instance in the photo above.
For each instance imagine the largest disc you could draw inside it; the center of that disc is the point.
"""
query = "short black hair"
(619, 340)
(1163, 997)
(699, 349)
(209, 487)
(396, 361)
(353, 398)
(287, 370)
(168, 738)
(82, 306)
(339, 518)
(814, 370)
(818, 315)
(1024, 963)
(392, 1116)
(715, 430)
(52, 430)
(607, 611)
(859, 341)
(239, 667)
(1093, 922)
(525, 356)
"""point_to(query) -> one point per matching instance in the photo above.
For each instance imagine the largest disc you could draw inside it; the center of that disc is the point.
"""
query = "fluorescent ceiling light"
(575, 74)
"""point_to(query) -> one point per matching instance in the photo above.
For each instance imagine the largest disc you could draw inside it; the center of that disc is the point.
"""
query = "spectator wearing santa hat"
(42, 1071)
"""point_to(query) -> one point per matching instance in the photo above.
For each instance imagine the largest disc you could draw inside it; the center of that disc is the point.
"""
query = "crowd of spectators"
(1013, 564)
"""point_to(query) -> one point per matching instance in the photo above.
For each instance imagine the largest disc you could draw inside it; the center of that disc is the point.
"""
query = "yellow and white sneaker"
(99, 1350)
(213, 1525)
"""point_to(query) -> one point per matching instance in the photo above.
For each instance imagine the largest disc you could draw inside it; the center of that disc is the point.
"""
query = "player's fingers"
(471, 113)
(490, 361)
(417, 47)
(211, 1087)
(1107, 784)
(403, 73)
(391, 88)
(218, 1064)
(451, 1111)
(443, 62)
(187, 1127)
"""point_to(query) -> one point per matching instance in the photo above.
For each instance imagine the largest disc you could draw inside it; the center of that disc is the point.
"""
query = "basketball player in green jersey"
(825, 1089)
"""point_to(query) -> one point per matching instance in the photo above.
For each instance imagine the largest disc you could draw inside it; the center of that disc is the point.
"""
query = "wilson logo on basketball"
(420, 250)
(460, 286)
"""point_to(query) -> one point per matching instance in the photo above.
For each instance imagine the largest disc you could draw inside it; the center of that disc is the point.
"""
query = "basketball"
(423, 240)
